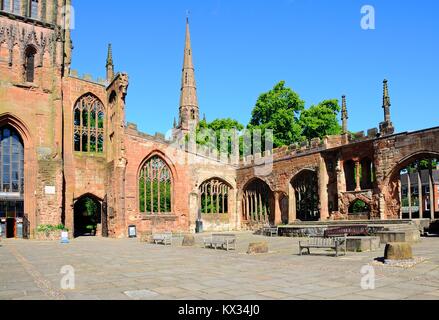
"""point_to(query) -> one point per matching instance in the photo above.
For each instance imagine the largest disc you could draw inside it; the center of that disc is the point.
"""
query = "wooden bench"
(222, 241)
(163, 238)
(335, 243)
(270, 231)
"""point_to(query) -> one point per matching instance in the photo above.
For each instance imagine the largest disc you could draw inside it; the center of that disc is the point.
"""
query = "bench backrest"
(223, 237)
(322, 241)
(348, 230)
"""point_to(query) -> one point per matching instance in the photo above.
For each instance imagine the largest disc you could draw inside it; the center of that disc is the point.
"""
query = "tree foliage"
(279, 110)
(321, 120)
(282, 111)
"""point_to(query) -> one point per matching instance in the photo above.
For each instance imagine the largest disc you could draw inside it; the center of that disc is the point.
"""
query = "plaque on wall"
(50, 190)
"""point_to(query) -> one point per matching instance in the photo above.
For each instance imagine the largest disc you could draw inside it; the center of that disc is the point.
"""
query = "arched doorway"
(257, 203)
(12, 218)
(214, 201)
(88, 215)
(306, 196)
(415, 183)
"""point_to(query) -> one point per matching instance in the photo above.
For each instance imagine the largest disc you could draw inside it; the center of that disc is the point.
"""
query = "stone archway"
(87, 215)
(304, 194)
(411, 189)
(258, 203)
(17, 200)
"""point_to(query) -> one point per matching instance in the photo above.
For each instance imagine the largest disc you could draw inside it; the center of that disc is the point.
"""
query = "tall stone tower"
(189, 110)
(35, 58)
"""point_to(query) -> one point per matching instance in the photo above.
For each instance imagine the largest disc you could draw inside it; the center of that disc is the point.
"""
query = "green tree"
(216, 127)
(321, 120)
(279, 110)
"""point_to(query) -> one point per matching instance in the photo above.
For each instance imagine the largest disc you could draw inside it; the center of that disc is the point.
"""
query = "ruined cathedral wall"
(203, 170)
(138, 150)
(85, 173)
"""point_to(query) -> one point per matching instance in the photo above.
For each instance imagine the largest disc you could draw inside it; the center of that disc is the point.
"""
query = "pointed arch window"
(214, 197)
(30, 64)
(88, 122)
(155, 187)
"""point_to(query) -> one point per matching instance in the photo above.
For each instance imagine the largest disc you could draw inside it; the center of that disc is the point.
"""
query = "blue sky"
(243, 47)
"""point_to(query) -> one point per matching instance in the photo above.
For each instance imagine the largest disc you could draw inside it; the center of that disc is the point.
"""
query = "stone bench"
(162, 238)
(222, 241)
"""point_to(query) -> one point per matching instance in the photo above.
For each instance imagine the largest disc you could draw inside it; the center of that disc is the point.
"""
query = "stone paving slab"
(109, 269)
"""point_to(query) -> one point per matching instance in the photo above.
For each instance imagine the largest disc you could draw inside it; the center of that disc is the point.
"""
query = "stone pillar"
(292, 210)
(323, 191)
(432, 197)
(400, 197)
(421, 200)
(357, 175)
(277, 210)
(409, 194)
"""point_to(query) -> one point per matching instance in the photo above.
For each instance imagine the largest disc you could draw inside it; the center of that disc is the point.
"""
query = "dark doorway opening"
(88, 215)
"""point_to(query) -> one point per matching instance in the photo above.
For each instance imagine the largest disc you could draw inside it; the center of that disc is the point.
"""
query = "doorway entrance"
(88, 216)
(11, 218)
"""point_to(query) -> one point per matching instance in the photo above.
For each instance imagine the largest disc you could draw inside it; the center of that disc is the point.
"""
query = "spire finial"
(386, 101)
(386, 127)
(110, 65)
(344, 115)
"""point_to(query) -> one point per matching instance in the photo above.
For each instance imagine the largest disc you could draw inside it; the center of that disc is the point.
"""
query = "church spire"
(189, 111)
(110, 65)
(344, 116)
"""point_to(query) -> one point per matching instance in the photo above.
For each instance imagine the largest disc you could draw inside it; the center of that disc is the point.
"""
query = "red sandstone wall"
(137, 151)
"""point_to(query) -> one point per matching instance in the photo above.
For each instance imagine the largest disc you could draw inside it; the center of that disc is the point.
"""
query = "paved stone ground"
(127, 269)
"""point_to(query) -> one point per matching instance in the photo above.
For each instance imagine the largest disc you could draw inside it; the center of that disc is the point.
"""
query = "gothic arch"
(215, 195)
(155, 185)
(391, 185)
(89, 124)
(257, 202)
(304, 195)
(165, 158)
(405, 161)
(30, 163)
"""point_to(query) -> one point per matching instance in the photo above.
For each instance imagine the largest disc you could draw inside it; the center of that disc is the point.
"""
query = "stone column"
(409, 194)
(323, 191)
(292, 211)
(277, 210)
(432, 201)
(421, 200)
(357, 175)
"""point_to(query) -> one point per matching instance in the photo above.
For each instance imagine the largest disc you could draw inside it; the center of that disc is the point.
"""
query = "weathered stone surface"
(363, 244)
(188, 241)
(398, 251)
(257, 248)
(145, 237)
